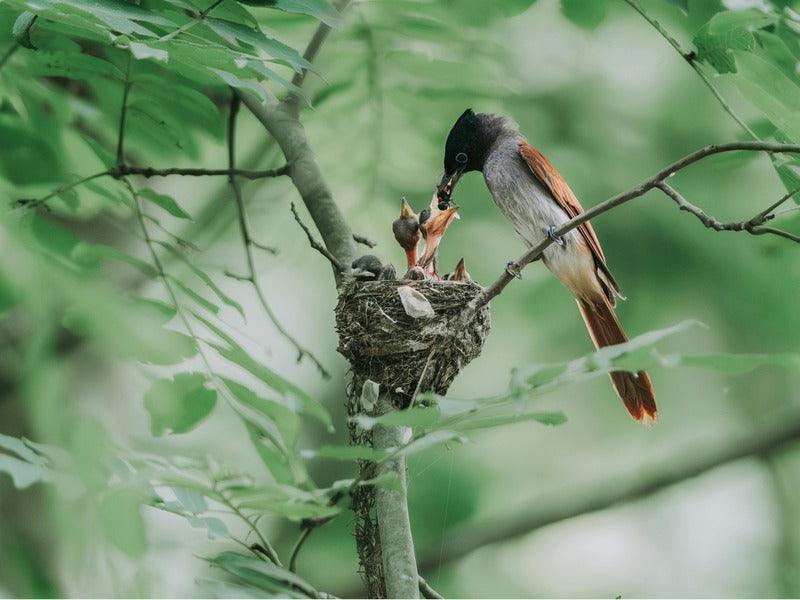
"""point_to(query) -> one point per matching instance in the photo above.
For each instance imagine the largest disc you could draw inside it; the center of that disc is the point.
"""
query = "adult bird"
(534, 197)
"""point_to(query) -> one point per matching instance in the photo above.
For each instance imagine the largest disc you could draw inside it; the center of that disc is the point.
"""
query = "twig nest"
(387, 337)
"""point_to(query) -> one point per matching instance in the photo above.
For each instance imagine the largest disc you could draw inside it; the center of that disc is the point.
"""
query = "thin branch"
(427, 591)
(126, 88)
(536, 251)
(311, 51)
(299, 546)
(187, 26)
(33, 203)
(661, 473)
(315, 244)
(752, 225)
(122, 170)
(247, 241)
(364, 241)
(690, 58)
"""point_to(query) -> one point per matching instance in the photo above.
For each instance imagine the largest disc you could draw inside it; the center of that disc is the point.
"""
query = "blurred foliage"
(144, 391)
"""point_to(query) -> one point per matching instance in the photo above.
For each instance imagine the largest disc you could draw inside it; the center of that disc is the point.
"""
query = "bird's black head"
(468, 144)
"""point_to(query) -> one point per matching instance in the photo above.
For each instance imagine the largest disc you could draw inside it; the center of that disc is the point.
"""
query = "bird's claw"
(551, 233)
(513, 270)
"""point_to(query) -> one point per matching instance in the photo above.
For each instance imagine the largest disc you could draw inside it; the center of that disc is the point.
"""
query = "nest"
(407, 354)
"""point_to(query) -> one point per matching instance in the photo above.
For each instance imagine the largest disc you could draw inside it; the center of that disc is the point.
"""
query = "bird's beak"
(460, 272)
(406, 211)
(434, 230)
(447, 185)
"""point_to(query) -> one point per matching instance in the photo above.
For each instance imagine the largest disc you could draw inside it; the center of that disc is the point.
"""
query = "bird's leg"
(551, 233)
(513, 269)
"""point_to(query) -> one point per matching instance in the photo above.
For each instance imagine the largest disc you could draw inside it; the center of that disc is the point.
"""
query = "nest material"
(404, 354)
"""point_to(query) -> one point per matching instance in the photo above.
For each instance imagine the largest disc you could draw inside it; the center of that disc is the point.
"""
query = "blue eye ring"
(462, 158)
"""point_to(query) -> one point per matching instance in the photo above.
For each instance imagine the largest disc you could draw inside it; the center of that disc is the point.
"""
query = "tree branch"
(314, 243)
(654, 182)
(311, 51)
(427, 591)
(247, 241)
(391, 509)
(122, 170)
(752, 225)
(777, 434)
(364, 241)
(307, 177)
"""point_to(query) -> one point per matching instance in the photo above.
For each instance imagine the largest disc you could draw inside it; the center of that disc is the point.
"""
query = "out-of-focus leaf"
(486, 421)
(769, 90)
(296, 398)
(286, 501)
(21, 31)
(205, 277)
(264, 576)
(587, 15)
(121, 519)
(512, 8)
(178, 405)
(91, 255)
(191, 500)
(411, 417)
(346, 453)
(681, 4)
(168, 203)
(732, 363)
(204, 302)
(276, 412)
(226, 589)
(215, 527)
(115, 14)
(23, 474)
(429, 440)
(21, 449)
(26, 157)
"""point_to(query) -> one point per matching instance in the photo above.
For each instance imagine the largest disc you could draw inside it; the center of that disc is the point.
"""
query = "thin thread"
(444, 518)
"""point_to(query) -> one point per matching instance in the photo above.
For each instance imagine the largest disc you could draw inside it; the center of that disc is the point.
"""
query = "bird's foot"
(551, 233)
(513, 270)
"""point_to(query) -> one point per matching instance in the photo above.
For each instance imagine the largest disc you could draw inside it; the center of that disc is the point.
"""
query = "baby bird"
(459, 274)
(406, 232)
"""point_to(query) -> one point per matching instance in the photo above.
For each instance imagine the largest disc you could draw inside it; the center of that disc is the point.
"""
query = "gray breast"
(519, 195)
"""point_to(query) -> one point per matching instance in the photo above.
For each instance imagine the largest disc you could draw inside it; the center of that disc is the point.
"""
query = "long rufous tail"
(635, 391)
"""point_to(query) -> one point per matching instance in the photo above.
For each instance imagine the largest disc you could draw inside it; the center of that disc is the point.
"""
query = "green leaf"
(286, 501)
(487, 421)
(23, 474)
(248, 37)
(191, 500)
(263, 575)
(117, 15)
(121, 519)
(587, 14)
(319, 9)
(92, 255)
(178, 405)
(512, 8)
(215, 527)
(346, 453)
(143, 51)
(429, 440)
(274, 412)
(297, 399)
(728, 31)
(205, 303)
(411, 417)
(226, 589)
(683, 5)
(241, 84)
(732, 363)
(769, 90)
(18, 447)
(166, 202)
(21, 31)
(205, 277)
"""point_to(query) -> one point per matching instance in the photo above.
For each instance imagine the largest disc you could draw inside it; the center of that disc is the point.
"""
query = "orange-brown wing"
(549, 177)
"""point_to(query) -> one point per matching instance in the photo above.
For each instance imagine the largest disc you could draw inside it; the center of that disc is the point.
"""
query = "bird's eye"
(461, 158)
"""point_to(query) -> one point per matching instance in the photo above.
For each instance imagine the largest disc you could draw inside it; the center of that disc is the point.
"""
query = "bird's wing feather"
(548, 176)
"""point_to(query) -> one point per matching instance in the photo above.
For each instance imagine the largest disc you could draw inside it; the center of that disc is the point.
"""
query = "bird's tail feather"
(635, 390)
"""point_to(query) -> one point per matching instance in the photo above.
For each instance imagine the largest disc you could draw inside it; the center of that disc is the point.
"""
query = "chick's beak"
(434, 230)
(447, 185)
(406, 212)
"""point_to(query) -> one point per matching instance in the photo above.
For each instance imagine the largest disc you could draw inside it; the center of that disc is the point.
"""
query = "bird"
(406, 232)
(433, 222)
(387, 273)
(536, 199)
(367, 267)
(460, 273)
